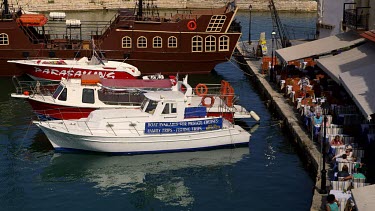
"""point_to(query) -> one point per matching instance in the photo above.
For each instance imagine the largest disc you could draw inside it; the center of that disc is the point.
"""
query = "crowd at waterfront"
(332, 120)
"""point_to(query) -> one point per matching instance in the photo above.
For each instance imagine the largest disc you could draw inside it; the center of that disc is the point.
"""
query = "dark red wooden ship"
(184, 42)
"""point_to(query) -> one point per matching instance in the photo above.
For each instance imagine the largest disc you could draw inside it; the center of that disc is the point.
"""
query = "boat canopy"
(136, 83)
(165, 95)
(32, 20)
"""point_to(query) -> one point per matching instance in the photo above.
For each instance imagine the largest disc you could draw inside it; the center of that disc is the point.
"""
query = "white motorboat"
(76, 98)
(164, 123)
(56, 69)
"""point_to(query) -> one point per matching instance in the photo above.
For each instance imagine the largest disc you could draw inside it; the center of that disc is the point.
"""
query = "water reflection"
(157, 176)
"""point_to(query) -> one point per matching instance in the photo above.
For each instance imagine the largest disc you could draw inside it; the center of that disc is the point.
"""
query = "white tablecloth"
(340, 195)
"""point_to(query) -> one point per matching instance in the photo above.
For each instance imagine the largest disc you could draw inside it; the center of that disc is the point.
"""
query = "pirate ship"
(184, 42)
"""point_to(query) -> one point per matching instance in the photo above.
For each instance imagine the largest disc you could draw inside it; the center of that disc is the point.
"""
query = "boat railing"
(34, 87)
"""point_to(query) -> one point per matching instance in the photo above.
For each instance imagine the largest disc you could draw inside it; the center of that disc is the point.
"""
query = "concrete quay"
(257, 5)
(308, 151)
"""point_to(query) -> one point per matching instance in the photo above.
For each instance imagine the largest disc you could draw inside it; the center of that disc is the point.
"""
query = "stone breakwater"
(66, 5)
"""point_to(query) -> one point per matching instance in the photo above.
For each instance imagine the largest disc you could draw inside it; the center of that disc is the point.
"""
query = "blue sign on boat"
(183, 127)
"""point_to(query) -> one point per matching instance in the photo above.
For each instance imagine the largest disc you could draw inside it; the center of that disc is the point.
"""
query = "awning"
(360, 84)
(355, 70)
(319, 47)
(360, 56)
(364, 198)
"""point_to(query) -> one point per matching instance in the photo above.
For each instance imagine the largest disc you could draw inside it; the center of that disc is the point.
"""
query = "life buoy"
(192, 25)
(208, 105)
(201, 90)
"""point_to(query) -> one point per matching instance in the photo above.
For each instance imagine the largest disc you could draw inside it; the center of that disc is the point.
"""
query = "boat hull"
(143, 144)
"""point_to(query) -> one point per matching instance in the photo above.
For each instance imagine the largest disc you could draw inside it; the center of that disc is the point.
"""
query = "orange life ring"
(201, 90)
(209, 105)
(192, 25)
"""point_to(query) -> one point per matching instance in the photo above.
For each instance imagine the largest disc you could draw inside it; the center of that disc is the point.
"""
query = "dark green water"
(267, 175)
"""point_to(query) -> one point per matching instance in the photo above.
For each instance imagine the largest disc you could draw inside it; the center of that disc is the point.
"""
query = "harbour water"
(267, 175)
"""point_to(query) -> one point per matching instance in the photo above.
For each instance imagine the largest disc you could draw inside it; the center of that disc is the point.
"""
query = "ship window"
(224, 43)
(88, 96)
(172, 42)
(126, 42)
(197, 44)
(4, 39)
(210, 44)
(151, 107)
(142, 42)
(57, 92)
(170, 108)
(216, 23)
(157, 42)
(63, 95)
(166, 109)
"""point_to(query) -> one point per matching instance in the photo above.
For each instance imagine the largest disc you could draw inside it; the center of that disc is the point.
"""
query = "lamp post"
(273, 34)
(323, 173)
(250, 7)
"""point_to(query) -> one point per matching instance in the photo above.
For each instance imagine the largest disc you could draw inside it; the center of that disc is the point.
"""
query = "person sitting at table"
(354, 176)
(348, 152)
(333, 204)
(336, 141)
(317, 122)
(344, 172)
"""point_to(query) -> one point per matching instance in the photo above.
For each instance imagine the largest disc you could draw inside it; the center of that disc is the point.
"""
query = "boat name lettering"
(74, 73)
(183, 127)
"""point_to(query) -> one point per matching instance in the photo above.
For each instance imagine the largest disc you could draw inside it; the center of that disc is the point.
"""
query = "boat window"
(170, 108)
(157, 42)
(166, 108)
(4, 39)
(216, 23)
(210, 44)
(142, 42)
(126, 42)
(88, 96)
(197, 44)
(172, 42)
(151, 106)
(63, 95)
(173, 108)
(223, 43)
(57, 91)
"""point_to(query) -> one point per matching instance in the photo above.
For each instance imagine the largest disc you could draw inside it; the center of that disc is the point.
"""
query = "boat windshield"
(58, 91)
(151, 106)
(144, 102)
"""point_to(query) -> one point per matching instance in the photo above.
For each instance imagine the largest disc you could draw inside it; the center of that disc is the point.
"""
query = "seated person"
(344, 172)
(332, 203)
(348, 152)
(336, 141)
(354, 176)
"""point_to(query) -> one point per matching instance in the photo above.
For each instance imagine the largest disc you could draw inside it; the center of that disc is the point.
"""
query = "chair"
(349, 164)
(340, 185)
(359, 184)
(359, 180)
(358, 153)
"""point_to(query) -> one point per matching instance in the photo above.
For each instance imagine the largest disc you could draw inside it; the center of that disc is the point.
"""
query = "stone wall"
(257, 5)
